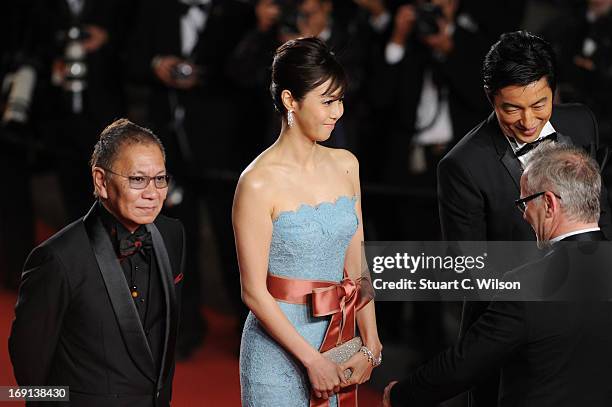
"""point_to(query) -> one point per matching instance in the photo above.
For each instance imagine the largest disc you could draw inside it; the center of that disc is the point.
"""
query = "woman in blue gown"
(297, 218)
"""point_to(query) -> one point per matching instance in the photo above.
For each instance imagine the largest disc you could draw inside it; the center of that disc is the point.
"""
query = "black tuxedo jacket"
(478, 181)
(76, 324)
(551, 353)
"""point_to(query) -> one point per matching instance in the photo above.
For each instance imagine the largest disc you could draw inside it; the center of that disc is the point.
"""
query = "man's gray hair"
(569, 172)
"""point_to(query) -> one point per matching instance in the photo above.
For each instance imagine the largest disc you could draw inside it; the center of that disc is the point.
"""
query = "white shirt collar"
(546, 130)
(575, 232)
(516, 145)
(325, 34)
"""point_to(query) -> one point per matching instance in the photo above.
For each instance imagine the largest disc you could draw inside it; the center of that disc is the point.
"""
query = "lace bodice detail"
(311, 242)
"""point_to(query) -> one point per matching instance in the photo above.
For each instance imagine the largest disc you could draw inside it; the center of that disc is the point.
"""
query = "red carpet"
(210, 378)
(7, 303)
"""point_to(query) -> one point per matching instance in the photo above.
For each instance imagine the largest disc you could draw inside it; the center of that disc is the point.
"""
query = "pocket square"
(178, 278)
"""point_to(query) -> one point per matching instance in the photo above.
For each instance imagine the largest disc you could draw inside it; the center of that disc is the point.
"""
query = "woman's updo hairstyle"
(300, 66)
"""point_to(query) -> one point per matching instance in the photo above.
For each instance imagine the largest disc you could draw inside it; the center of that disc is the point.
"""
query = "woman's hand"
(361, 368)
(325, 377)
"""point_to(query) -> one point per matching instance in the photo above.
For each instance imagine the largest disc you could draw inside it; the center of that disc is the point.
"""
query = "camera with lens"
(427, 16)
(74, 75)
(75, 79)
(182, 71)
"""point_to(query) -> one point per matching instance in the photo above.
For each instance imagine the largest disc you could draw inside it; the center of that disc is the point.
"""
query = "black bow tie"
(139, 240)
(530, 146)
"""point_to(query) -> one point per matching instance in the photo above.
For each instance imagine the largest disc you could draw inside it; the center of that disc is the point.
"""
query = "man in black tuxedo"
(479, 178)
(551, 351)
(98, 303)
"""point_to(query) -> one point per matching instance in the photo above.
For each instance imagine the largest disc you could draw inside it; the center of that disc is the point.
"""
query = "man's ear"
(489, 96)
(288, 101)
(99, 181)
(551, 204)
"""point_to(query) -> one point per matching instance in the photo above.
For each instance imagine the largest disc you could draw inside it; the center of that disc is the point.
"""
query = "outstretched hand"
(387, 394)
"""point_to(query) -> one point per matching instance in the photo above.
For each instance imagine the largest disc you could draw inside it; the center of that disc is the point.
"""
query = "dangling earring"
(290, 119)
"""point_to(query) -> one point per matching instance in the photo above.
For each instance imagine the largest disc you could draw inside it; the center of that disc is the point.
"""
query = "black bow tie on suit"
(530, 146)
(135, 242)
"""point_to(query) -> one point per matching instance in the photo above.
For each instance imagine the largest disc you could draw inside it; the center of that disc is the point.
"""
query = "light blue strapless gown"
(309, 243)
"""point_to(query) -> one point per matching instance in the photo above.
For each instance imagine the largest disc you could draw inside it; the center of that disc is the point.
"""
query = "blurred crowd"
(197, 73)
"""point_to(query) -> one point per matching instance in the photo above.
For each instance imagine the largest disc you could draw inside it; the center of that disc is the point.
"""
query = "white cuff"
(393, 53)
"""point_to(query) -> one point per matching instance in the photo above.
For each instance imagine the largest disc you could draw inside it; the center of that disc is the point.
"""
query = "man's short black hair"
(518, 58)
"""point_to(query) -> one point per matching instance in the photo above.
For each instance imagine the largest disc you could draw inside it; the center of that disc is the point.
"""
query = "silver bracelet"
(368, 353)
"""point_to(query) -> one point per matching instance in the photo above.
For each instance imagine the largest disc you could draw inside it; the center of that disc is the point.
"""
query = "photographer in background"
(17, 78)
(582, 39)
(62, 87)
(282, 20)
(180, 50)
(73, 45)
(429, 94)
(431, 74)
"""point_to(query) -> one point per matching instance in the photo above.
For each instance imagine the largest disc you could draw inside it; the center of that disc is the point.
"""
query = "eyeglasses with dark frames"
(142, 181)
(521, 204)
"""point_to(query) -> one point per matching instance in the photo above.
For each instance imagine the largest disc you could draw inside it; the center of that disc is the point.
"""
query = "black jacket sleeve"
(461, 204)
(44, 297)
(605, 221)
(484, 348)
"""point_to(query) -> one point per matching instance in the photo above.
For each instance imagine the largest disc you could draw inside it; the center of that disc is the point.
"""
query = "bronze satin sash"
(340, 300)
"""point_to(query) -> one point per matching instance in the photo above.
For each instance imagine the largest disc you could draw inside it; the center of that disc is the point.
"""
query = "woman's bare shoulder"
(260, 175)
(342, 158)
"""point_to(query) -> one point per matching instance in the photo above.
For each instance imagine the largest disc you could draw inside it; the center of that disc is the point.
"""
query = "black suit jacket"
(551, 353)
(76, 324)
(478, 181)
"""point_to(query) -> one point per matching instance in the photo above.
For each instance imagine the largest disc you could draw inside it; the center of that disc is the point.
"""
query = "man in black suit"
(552, 352)
(98, 303)
(479, 178)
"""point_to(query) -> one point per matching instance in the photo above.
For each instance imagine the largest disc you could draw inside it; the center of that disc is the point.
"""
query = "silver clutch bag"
(344, 352)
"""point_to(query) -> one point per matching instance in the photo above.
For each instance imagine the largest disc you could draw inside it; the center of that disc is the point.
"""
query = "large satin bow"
(340, 300)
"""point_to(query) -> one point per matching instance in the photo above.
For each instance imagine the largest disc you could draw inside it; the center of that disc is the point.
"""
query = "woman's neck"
(294, 146)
